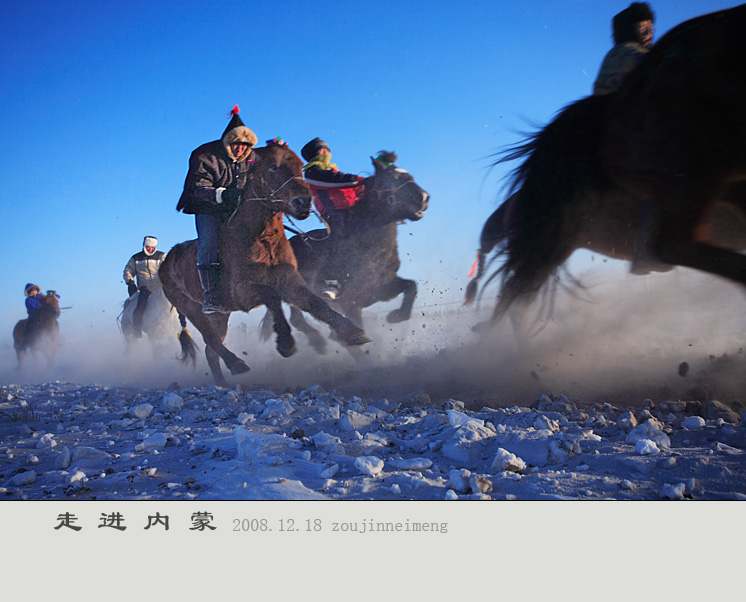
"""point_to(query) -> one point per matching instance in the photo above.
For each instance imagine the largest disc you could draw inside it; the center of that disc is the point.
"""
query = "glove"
(131, 288)
(230, 197)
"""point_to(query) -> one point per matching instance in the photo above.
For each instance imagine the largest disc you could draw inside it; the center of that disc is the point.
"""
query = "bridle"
(268, 201)
(387, 195)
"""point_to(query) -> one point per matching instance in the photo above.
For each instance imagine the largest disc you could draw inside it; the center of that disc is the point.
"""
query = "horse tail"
(561, 166)
(494, 232)
(188, 346)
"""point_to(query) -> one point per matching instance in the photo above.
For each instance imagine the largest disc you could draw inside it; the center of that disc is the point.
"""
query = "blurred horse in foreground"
(665, 153)
(159, 320)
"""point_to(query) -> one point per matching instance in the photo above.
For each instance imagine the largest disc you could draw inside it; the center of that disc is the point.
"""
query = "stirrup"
(331, 291)
(210, 307)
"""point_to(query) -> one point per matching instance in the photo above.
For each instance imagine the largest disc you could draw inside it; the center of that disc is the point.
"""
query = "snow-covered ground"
(610, 412)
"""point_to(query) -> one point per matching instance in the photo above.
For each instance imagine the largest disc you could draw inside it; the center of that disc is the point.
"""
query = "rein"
(267, 201)
(305, 236)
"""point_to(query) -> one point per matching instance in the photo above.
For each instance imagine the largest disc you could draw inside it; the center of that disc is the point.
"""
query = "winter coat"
(619, 61)
(144, 269)
(332, 189)
(211, 167)
(33, 305)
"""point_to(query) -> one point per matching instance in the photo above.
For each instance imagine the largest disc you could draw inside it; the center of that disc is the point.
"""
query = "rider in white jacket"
(141, 274)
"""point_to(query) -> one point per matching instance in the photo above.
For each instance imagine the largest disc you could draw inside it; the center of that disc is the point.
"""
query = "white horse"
(159, 321)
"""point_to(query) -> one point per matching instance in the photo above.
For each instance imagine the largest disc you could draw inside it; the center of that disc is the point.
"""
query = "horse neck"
(48, 310)
(368, 211)
(370, 229)
(263, 225)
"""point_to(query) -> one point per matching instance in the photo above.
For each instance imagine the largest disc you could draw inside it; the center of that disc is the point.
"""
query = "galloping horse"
(259, 267)
(44, 334)
(158, 320)
(672, 138)
(367, 253)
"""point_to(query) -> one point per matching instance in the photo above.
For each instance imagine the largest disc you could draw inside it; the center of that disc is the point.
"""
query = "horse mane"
(555, 160)
(387, 156)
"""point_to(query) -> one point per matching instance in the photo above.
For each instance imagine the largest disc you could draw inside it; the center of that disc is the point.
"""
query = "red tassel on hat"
(234, 111)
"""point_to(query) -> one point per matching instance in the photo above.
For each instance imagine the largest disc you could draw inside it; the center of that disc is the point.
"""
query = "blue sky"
(102, 103)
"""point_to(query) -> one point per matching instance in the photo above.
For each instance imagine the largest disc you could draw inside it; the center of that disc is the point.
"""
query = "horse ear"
(379, 165)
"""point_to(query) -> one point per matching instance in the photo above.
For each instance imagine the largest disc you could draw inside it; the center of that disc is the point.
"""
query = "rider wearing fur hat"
(633, 34)
(218, 171)
(141, 274)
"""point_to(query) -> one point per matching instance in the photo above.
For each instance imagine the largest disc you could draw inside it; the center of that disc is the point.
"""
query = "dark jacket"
(211, 167)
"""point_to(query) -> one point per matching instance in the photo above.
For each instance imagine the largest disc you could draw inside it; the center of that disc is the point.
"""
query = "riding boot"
(142, 302)
(209, 278)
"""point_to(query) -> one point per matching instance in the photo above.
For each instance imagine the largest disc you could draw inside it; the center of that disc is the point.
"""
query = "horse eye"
(274, 167)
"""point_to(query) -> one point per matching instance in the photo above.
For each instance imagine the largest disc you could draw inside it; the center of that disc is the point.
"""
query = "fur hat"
(624, 22)
(29, 287)
(310, 150)
(236, 131)
(149, 241)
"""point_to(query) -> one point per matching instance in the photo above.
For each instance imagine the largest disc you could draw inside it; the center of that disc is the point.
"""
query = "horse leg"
(395, 288)
(213, 361)
(213, 328)
(314, 336)
(284, 341)
(293, 290)
(675, 241)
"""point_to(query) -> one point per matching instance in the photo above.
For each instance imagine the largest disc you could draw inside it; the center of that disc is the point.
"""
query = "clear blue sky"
(102, 103)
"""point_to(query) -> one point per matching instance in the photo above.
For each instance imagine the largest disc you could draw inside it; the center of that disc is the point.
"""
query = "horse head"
(276, 181)
(50, 305)
(392, 191)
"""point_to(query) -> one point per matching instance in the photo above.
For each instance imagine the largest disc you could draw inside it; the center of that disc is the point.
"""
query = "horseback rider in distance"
(33, 307)
(218, 171)
(141, 274)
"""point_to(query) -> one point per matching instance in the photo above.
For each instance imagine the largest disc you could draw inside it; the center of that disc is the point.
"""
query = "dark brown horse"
(259, 267)
(44, 332)
(672, 138)
(365, 258)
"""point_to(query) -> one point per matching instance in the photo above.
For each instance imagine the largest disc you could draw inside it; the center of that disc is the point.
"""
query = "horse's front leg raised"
(397, 287)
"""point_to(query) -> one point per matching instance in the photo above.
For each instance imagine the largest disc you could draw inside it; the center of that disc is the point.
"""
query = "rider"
(334, 192)
(218, 170)
(33, 308)
(143, 268)
(633, 34)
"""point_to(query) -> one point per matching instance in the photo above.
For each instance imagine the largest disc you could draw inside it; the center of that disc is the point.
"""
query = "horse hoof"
(397, 316)
(354, 337)
(287, 350)
(239, 368)
(481, 327)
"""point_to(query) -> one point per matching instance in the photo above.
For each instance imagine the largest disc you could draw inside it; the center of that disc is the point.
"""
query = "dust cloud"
(677, 335)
